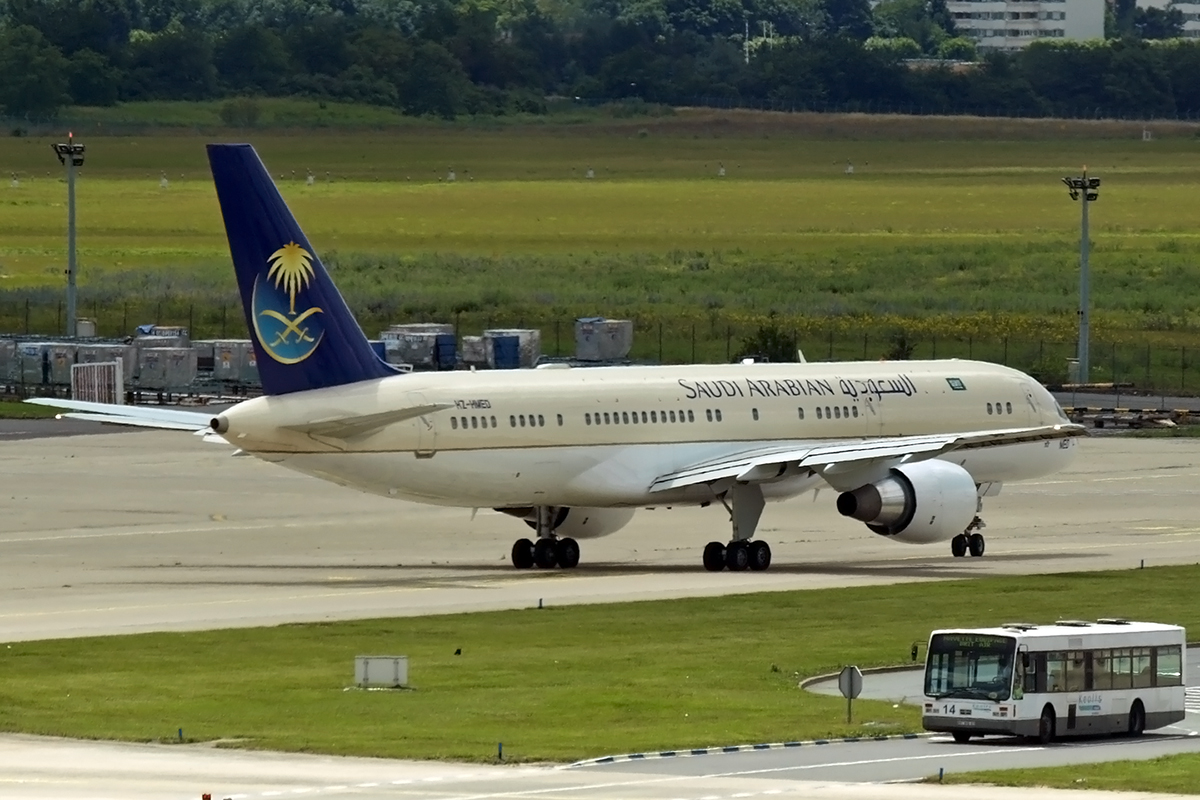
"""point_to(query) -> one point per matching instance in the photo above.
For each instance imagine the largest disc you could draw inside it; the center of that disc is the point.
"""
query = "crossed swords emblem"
(291, 326)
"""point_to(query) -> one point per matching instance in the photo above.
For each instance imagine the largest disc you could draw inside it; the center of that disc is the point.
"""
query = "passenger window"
(754, 413)
(837, 412)
(643, 416)
(718, 414)
(1008, 408)
(625, 417)
(654, 416)
(493, 422)
(801, 410)
(1168, 669)
(454, 423)
(587, 418)
(606, 421)
(708, 413)
(854, 411)
(522, 418)
(560, 420)
(691, 417)
(541, 421)
(634, 417)
(672, 416)
(818, 412)
(512, 420)
(989, 408)
(827, 414)
(845, 412)
(474, 422)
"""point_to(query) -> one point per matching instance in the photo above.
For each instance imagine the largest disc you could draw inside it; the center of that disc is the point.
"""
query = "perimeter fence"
(1139, 362)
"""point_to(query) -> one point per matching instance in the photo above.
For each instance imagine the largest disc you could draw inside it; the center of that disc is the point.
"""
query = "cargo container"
(99, 353)
(61, 357)
(167, 368)
(403, 328)
(477, 351)
(10, 364)
(234, 360)
(600, 339)
(529, 345)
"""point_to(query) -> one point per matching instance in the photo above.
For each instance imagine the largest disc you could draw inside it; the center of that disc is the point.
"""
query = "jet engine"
(930, 501)
(577, 523)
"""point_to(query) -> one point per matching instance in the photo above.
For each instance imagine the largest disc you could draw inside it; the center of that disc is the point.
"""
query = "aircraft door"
(426, 429)
(873, 411)
(1029, 413)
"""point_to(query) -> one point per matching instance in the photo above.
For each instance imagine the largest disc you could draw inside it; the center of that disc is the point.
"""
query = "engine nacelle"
(930, 501)
(577, 523)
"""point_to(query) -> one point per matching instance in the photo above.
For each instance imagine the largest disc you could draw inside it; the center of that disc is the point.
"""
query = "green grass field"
(952, 230)
(1179, 774)
(554, 684)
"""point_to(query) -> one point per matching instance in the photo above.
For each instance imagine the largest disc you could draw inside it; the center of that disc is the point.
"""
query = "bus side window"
(1035, 677)
(1075, 671)
(1056, 672)
(1101, 670)
(1143, 677)
(1168, 667)
(1122, 670)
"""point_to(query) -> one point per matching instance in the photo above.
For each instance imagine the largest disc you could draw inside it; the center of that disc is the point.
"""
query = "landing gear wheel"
(962, 737)
(522, 554)
(975, 544)
(544, 555)
(1137, 719)
(714, 556)
(737, 556)
(1046, 727)
(760, 556)
(566, 553)
(958, 546)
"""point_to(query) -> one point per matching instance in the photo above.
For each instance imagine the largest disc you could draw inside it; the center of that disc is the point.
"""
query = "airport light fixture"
(70, 155)
(1087, 190)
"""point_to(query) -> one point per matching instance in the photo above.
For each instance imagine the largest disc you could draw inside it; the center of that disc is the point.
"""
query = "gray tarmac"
(160, 531)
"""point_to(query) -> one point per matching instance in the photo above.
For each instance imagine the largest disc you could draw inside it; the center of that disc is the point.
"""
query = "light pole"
(1089, 188)
(70, 155)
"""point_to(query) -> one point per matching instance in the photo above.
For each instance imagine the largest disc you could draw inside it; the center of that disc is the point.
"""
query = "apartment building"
(1190, 11)
(1014, 24)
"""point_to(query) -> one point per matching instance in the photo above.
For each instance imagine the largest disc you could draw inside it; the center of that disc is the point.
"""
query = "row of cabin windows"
(1006, 410)
(538, 421)
(475, 422)
(1095, 670)
(836, 412)
(644, 417)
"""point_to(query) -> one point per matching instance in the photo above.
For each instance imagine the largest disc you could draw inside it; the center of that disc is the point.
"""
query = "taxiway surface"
(160, 531)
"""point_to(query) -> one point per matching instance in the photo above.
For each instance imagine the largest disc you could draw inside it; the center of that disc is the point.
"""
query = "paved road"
(1126, 400)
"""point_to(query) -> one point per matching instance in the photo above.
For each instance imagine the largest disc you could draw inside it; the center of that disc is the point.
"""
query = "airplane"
(911, 448)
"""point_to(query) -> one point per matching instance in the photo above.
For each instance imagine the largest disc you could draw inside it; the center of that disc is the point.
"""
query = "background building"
(1012, 24)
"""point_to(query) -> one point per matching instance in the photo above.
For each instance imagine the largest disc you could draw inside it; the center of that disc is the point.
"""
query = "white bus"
(1071, 678)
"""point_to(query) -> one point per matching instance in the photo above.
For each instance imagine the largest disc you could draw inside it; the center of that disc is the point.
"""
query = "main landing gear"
(745, 504)
(549, 551)
(969, 541)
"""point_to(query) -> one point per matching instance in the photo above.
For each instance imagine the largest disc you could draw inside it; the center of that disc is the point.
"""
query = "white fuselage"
(599, 437)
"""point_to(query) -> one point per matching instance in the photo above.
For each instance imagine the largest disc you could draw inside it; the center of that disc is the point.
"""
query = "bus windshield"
(970, 665)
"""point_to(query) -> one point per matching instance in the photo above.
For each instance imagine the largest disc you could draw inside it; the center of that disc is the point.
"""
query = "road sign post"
(850, 682)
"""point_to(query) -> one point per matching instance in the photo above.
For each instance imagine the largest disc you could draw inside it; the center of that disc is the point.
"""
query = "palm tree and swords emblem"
(291, 272)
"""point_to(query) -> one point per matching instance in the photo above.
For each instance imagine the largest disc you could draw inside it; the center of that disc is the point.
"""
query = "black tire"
(544, 555)
(1045, 734)
(975, 544)
(962, 737)
(714, 556)
(760, 556)
(1137, 719)
(566, 553)
(737, 556)
(958, 546)
(522, 554)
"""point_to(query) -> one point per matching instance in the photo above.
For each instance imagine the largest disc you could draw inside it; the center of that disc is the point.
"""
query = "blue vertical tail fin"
(304, 334)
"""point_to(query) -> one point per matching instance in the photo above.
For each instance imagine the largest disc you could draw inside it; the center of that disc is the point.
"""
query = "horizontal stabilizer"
(139, 416)
(360, 425)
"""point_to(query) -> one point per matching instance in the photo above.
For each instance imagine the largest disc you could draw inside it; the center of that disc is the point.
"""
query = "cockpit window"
(1062, 415)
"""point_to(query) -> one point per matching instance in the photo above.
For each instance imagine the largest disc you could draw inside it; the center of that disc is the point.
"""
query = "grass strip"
(553, 684)
(1177, 774)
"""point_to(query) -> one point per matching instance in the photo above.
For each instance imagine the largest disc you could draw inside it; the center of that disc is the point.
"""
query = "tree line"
(453, 57)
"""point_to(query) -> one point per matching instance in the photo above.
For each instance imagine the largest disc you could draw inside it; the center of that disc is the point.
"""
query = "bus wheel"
(1137, 719)
(962, 737)
(1046, 726)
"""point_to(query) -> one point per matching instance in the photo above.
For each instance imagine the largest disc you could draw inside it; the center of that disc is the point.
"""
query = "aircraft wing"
(138, 416)
(759, 465)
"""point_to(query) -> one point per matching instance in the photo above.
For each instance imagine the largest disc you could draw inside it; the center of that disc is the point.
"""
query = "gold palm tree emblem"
(291, 267)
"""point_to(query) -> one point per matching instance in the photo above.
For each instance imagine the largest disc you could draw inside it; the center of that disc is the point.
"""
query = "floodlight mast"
(1089, 188)
(70, 155)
